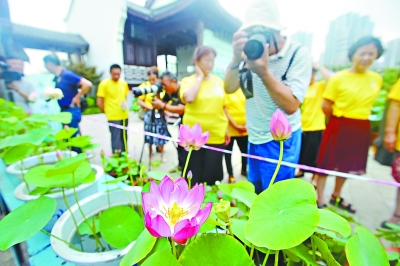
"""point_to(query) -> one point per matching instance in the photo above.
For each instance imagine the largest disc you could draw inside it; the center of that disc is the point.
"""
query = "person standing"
(154, 119)
(392, 144)
(235, 111)
(312, 120)
(279, 79)
(204, 98)
(347, 104)
(173, 104)
(21, 92)
(72, 86)
(111, 99)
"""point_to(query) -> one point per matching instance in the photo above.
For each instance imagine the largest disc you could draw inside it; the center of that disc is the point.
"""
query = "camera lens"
(253, 49)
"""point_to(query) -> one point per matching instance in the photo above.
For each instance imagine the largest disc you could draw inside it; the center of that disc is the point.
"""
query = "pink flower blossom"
(123, 106)
(172, 210)
(280, 127)
(32, 97)
(192, 137)
(59, 155)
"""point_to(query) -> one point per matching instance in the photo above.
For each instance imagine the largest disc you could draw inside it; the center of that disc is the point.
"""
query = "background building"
(306, 39)
(392, 54)
(343, 32)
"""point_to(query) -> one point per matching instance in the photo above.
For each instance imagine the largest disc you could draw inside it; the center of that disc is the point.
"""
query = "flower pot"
(48, 158)
(82, 191)
(65, 228)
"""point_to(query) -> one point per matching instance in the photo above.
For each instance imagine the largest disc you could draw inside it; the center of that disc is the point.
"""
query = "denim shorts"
(260, 172)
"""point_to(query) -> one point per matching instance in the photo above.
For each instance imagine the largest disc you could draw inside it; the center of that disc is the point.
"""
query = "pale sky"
(311, 16)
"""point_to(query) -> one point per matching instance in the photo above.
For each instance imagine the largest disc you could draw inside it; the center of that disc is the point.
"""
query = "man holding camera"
(275, 73)
(72, 86)
(16, 88)
(171, 103)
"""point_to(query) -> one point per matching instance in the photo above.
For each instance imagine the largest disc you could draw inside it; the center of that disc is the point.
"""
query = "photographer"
(19, 91)
(69, 83)
(172, 103)
(276, 75)
(154, 120)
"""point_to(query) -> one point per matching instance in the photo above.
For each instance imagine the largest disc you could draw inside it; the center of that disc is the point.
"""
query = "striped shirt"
(260, 108)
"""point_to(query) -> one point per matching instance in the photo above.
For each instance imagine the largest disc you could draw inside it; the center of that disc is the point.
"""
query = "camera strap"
(290, 63)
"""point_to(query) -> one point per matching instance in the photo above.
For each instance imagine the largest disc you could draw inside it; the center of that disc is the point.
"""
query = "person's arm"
(85, 85)
(191, 94)
(231, 81)
(176, 109)
(143, 104)
(14, 86)
(240, 129)
(100, 103)
(327, 107)
(392, 122)
(326, 74)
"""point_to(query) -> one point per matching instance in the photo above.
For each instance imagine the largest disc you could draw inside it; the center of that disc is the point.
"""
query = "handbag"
(396, 168)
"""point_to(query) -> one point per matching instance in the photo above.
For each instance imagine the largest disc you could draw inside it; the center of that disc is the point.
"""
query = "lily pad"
(66, 134)
(161, 258)
(324, 249)
(334, 222)
(142, 247)
(26, 221)
(66, 166)
(34, 137)
(157, 175)
(214, 248)
(283, 216)
(37, 176)
(227, 188)
(119, 226)
(18, 153)
(364, 249)
(84, 229)
(39, 191)
(245, 196)
(238, 230)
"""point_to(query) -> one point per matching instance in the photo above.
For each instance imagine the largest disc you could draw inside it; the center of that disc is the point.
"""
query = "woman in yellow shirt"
(154, 120)
(347, 104)
(204, 96)
(312, 120)
(235, 111)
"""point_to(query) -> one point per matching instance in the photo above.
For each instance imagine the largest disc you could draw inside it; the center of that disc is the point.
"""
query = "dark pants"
(76, 119)
(206, 165)
(242, 142)
(182, 154)
(117, 135)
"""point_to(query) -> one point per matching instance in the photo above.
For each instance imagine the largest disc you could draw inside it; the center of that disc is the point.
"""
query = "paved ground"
(374, 202)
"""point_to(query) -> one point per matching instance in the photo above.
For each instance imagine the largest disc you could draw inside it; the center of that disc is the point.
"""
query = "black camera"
(254, 47)
(156, 88)
(7, 75)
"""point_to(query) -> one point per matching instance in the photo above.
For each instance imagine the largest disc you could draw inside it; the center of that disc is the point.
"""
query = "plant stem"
(73, 217)
(107, 191)
(23, 177)
(124, 133)
(313, 248)
(251, 251)
(69, 244)
(230, 230)
(266, 257)
(276, 258)
(279, 164)
(83, 215)
(173, 247)
(186, 165)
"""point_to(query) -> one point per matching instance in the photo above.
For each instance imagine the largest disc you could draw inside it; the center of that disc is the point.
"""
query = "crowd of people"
(329, 117)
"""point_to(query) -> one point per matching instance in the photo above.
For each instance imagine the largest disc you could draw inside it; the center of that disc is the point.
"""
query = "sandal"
(321, 206)
(337, 201)
(231, 179)
(299, 175)
(243, 173)
(386, 224)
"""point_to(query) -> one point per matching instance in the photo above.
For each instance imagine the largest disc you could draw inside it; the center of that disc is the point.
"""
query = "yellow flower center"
(175, 213)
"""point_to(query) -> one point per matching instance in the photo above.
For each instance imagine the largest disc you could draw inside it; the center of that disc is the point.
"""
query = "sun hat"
(263, 13)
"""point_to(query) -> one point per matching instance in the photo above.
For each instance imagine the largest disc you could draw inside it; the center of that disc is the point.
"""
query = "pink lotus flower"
(279, 126)
(59, 155)
(172, 210)
(32, 97)
(192, 137)
(123, 106)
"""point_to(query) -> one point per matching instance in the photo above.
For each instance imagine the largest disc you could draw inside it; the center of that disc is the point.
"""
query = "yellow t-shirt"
(394, 94)
(353, 94)
(114, 93)
(236, 107)
(148, 98)
(312, 116)
(208, 108)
